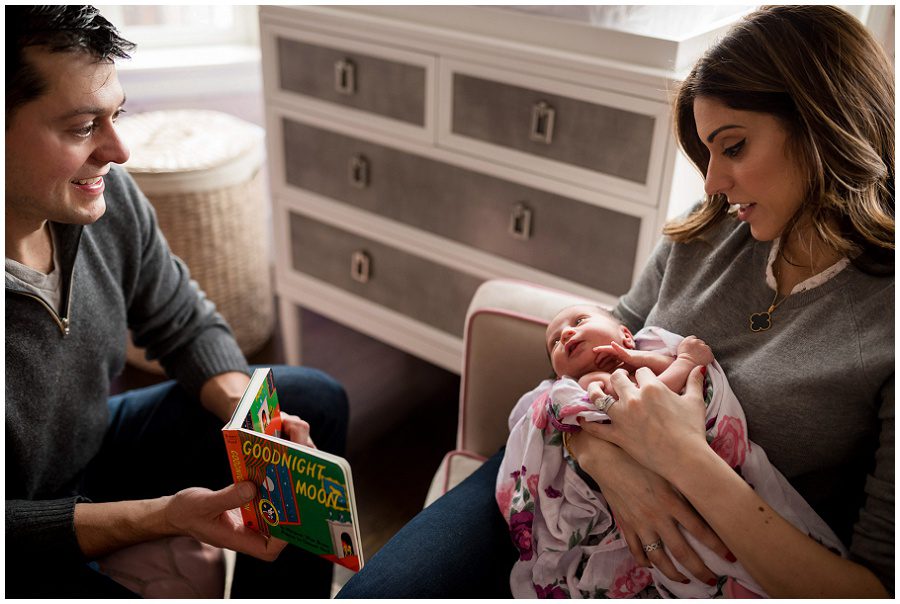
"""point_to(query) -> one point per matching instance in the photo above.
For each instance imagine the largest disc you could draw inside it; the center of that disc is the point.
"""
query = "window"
(184, 25)
(191, 56)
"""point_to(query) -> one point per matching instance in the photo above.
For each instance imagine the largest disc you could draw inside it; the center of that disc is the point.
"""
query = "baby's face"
(572, 335)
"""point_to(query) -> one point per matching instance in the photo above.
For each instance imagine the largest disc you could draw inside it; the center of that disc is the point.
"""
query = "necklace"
(761, 321)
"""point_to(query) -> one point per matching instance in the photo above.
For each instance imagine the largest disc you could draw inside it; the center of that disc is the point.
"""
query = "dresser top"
(668, 39)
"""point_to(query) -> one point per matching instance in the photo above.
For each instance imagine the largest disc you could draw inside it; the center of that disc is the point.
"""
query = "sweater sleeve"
(634, 307)
(873, 535)
(35, 527)
(168, 314)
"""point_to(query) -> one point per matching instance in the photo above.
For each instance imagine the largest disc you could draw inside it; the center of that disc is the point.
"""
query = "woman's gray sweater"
(817, 388)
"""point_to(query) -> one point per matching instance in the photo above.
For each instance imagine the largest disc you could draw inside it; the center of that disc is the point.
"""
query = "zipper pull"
(65, 326)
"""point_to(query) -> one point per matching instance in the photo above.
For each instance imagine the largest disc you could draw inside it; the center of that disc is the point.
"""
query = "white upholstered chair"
(503, 358)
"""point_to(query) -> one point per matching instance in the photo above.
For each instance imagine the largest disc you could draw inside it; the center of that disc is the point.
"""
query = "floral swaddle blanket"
(568, 543)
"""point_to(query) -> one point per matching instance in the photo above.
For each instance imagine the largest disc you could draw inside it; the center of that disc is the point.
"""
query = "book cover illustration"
(264, 415)
(305, 496)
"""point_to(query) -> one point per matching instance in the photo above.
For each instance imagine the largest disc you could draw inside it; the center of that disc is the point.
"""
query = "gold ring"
(653, 546)
(605, 403)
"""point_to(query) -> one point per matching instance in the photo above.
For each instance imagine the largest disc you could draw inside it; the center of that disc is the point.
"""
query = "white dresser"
(415, 152)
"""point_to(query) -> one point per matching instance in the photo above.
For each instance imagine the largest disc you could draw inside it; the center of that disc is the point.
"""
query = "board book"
(304, 496)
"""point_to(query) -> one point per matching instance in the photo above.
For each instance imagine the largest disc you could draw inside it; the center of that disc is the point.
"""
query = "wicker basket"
(201, 172)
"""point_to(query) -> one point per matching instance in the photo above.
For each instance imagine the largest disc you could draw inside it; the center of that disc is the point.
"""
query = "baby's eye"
(578, 321)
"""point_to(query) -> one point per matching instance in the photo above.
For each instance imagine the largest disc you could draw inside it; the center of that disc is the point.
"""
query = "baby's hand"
(695, 350)
(631, 359)
(607, 358)
(594, 376)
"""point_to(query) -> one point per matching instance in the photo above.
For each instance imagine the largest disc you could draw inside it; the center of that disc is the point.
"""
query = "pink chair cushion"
(175, 567)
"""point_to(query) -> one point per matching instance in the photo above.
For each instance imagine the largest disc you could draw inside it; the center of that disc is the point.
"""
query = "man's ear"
(627, 338)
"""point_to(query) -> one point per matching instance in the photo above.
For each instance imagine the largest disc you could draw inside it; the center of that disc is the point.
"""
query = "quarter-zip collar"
(68, 238)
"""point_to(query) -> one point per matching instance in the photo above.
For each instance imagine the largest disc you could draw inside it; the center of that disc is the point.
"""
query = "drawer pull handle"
(345, 77)
(359, 171)
(360, 266)
(542, 118)
(520, 222)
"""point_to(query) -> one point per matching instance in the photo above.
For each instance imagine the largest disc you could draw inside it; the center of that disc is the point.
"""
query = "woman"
(786, 271)
(795, 297)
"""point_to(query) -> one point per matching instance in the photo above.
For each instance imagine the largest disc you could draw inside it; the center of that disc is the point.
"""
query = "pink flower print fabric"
(539, 415)
(730, 442)
(629, 580)
(568, 543)
(520, 525)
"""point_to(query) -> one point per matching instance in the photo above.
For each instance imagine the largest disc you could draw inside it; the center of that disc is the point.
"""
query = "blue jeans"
(458, 547)
(160, 440)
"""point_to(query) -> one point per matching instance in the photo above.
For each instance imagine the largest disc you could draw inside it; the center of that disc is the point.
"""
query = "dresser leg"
(290, 331)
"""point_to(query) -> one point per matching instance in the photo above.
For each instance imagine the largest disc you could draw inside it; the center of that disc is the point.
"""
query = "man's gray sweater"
(118, 274)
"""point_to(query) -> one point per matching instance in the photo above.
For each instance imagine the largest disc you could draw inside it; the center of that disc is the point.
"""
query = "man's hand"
(296, 430)
(209, 516)
(214, 517)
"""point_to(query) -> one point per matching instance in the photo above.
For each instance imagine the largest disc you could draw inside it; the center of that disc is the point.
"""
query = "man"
(87, 474)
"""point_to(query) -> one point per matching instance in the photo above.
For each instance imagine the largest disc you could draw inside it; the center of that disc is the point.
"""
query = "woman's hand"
(647, 509)
(665, 432)
(655, 426)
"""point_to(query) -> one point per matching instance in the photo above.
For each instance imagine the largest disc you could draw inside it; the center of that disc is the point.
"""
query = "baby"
(587, 343)
(568, 542)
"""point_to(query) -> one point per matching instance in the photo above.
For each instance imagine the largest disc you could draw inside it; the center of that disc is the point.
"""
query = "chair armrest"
(504, 357)
(455, 467)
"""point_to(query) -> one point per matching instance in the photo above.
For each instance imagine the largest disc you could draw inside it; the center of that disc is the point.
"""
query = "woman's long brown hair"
(819, 71)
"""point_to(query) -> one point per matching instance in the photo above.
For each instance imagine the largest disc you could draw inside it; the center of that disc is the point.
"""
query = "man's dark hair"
(58, 29)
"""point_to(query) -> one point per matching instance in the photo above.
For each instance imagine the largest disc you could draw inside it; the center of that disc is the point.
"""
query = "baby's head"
(575, 331)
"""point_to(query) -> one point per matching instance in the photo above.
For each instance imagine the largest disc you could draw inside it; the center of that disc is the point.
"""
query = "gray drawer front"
(425, 291)
(574, 240)
(599, 138)
(387, 88)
